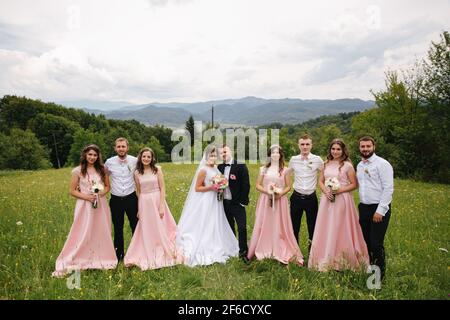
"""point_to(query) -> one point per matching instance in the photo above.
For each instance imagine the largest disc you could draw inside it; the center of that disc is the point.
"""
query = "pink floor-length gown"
(89, 244)
(338, 242)
(273, 235)
(153, 243)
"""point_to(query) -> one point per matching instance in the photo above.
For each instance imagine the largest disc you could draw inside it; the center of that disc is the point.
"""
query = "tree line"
(37, 135)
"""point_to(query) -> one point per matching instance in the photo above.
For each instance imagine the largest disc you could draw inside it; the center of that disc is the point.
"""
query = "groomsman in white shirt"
(123, 193)
(306, 167)
(376, 186)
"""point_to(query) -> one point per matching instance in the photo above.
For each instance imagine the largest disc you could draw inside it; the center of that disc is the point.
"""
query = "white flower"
(332, 183)
(19, 223)
(274, 189)
(97, 187)
(24, 247)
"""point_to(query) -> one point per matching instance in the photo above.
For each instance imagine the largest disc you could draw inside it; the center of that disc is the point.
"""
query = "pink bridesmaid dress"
(89, 244)
(273, 235)
(338, 242)
(153, 243)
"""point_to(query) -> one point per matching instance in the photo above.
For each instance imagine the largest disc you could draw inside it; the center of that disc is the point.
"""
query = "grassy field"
(36, 213)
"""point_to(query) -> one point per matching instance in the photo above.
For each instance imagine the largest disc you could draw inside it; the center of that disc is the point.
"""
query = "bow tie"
(227, 164)
(365, 160)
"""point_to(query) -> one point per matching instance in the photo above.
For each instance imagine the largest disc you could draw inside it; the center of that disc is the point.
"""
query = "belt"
(305, 196)
(124, 197)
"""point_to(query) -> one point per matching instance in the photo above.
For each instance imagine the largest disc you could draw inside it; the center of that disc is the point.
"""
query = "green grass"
(417, 268)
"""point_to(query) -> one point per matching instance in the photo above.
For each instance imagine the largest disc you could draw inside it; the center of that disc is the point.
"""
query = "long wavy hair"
(140, 165)
(98, 164)
(269, 160)
(345, 154)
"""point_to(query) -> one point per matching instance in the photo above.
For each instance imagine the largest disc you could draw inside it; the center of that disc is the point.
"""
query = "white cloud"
(188, 50)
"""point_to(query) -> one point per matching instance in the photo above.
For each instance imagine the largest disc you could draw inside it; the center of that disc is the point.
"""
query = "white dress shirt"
(306, 171)
(226, 173)
(376, 182)
(122, 175)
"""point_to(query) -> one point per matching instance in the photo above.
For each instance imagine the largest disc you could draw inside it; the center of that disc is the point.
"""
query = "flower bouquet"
(220, 183)
(96, 187)
(333, 184)
(273, 190)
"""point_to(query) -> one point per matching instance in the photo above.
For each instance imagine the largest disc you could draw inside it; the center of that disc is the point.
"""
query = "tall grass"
(36, 213)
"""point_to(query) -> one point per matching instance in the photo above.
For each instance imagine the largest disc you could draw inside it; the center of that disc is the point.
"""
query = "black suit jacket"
(239, 187)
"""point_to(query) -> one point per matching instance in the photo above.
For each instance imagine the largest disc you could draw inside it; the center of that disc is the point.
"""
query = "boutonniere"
(366, 171)
(232, 177)
(309, 165)
(129, 167)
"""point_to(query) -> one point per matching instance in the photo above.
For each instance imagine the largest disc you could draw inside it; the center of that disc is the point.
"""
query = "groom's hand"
(377, 218)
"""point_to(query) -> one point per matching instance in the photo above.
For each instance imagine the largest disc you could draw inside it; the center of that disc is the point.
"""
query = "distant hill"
(94, 106)
(151, 115)
(248, 111)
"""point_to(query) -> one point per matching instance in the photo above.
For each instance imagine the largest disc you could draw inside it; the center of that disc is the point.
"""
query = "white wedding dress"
(204, 234)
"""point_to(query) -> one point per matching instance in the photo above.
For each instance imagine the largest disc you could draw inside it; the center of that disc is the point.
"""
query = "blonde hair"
(121, 139)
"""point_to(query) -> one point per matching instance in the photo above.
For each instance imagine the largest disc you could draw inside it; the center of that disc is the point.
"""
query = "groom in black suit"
(236, 197)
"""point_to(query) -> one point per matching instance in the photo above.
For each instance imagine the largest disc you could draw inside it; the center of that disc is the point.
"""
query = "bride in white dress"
(204, 234)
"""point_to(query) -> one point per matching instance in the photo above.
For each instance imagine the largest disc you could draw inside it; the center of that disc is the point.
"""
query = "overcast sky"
(143, 51)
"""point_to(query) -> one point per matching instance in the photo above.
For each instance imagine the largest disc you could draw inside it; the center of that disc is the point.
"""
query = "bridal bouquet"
(220, 184)
(273, 189)
(96, 187)
(333, 184)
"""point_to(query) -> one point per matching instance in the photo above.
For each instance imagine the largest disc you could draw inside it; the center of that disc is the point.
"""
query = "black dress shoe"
(244, 258)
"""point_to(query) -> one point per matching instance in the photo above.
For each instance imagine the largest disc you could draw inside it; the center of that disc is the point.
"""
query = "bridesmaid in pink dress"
(338, 242)
(153, 243)
(273, 236)
(89, 244)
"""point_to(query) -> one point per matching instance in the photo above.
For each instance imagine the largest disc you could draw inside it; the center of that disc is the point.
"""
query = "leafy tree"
(56, 133)
(412, 117)
(190, 127)
(22, 150)
(81, 139)
(322, 137)
(161, 156)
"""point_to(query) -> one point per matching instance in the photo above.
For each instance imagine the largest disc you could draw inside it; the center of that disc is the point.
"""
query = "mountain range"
(248, 111)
